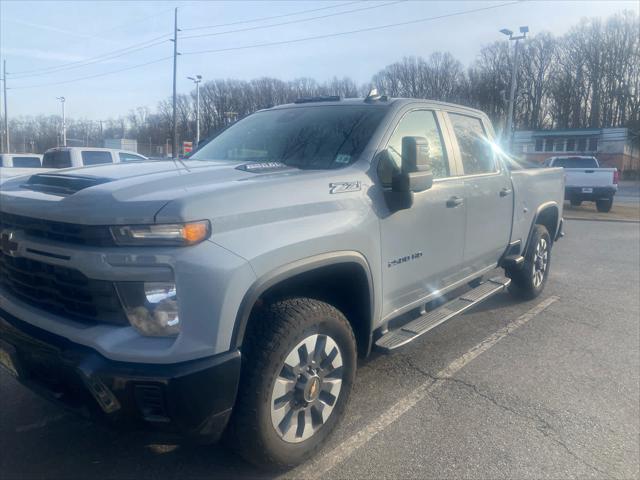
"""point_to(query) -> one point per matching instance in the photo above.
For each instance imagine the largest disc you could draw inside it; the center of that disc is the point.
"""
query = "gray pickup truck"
(232, 293)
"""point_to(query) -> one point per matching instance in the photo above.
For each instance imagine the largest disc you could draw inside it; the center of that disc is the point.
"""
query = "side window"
(130, 157)
(418, 123)
(26, 162)
(93, 157)
(476, 151)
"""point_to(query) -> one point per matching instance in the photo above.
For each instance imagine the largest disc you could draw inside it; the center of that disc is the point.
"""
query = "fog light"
(151, 307)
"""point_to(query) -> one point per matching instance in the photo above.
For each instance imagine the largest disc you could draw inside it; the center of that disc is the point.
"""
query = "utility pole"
(197, 79)
(64, 122)
(514, 78)
(6, 118)
(174, 149)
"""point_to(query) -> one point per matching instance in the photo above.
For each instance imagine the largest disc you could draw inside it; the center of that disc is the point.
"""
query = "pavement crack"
(540, 424)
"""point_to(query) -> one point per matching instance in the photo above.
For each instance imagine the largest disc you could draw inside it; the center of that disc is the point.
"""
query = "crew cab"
(586, 181)
(235, 290)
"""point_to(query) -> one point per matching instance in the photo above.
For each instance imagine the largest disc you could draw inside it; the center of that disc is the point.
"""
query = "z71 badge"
(344, 187)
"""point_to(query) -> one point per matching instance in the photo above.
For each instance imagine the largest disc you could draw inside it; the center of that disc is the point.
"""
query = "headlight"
(175, 234)
(151, 307)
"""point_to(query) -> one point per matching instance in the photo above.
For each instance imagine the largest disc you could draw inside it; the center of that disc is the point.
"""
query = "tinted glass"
(26, 162)
(575, 162)
(95, 157)
(475, 149)
(420, 123)
(318, 137)
(57, 159)
(130, 157)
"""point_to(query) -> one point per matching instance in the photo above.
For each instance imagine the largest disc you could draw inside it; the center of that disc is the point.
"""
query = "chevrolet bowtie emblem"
(8, 243)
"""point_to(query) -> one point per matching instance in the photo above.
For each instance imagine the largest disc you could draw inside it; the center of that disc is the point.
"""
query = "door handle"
(454, 202)
(505, 191)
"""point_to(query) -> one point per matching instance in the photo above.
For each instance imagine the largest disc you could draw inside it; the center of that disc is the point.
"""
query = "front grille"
(61, 291)
(58, 231)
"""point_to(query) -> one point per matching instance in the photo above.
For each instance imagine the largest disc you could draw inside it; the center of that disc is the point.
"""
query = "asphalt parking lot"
(543, 389)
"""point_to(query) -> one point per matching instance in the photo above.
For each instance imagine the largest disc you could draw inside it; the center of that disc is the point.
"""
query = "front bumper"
(189, 399)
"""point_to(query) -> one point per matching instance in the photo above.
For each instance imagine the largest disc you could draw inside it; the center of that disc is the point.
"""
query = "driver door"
(422, 246)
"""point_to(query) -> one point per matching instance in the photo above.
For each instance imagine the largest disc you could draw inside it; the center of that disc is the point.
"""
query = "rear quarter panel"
(534, 189)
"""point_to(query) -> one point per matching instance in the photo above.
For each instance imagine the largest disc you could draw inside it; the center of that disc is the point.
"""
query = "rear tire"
(575, 202)
(604, 204)
(528, 281)
(299, 363)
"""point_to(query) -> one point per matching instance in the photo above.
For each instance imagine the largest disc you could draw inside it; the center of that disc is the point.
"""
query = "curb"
(613, 220)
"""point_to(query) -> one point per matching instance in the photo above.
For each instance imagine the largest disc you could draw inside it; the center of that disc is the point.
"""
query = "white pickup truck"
(585, 180)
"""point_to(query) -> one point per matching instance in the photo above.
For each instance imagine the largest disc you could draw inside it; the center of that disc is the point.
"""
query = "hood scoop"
(59, 184)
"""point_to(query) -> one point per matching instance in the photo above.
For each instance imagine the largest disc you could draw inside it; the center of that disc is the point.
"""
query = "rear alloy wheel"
(527, 282)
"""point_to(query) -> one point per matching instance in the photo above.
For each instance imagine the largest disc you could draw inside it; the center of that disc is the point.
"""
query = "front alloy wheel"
(299, 363)
(307, 388)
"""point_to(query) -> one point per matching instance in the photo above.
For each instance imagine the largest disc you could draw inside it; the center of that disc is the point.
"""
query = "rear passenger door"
(488, 193)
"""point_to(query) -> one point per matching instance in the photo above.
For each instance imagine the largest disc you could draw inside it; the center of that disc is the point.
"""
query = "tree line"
(589, 77)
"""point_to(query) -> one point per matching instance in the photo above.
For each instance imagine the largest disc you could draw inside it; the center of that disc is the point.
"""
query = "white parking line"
(328, 460)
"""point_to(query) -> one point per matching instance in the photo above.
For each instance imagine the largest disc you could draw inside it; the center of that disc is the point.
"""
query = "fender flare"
(545, 206)
(290, 270)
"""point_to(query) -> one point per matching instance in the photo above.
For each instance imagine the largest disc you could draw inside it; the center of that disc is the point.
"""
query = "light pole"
(197, 79)
(514, 75)
(64, 122)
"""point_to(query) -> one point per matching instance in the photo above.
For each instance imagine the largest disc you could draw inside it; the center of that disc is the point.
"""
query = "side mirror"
(416, 174)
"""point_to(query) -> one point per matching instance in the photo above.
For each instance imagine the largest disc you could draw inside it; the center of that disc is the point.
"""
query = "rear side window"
(26, 162)
(57, 159)
(95, 157)
(575, 162)
(475, 148)
(130, 157)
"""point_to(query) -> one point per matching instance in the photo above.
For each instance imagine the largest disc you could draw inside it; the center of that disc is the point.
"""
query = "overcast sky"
(40, 39)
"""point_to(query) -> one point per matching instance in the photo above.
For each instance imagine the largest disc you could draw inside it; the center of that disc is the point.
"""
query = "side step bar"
(415, 328)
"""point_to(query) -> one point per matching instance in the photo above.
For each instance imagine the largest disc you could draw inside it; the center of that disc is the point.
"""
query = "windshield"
(576, 162)
(318, 137)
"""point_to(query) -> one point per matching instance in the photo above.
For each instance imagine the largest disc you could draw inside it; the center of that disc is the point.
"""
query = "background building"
(611, 146)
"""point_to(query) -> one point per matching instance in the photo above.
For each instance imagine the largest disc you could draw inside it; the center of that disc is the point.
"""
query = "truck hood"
(125, 193)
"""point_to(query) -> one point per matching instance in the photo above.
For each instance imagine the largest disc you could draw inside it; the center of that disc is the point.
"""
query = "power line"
(136, 21)
(273, 17)
(289, 22)
(350, 32)
(80, 63)
(94, 76)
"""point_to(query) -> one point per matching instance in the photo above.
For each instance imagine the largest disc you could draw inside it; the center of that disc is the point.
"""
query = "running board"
(415, 328)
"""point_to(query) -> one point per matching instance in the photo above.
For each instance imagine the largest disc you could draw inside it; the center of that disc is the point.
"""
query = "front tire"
(604, 204)
(299, 363)
(529, 281)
